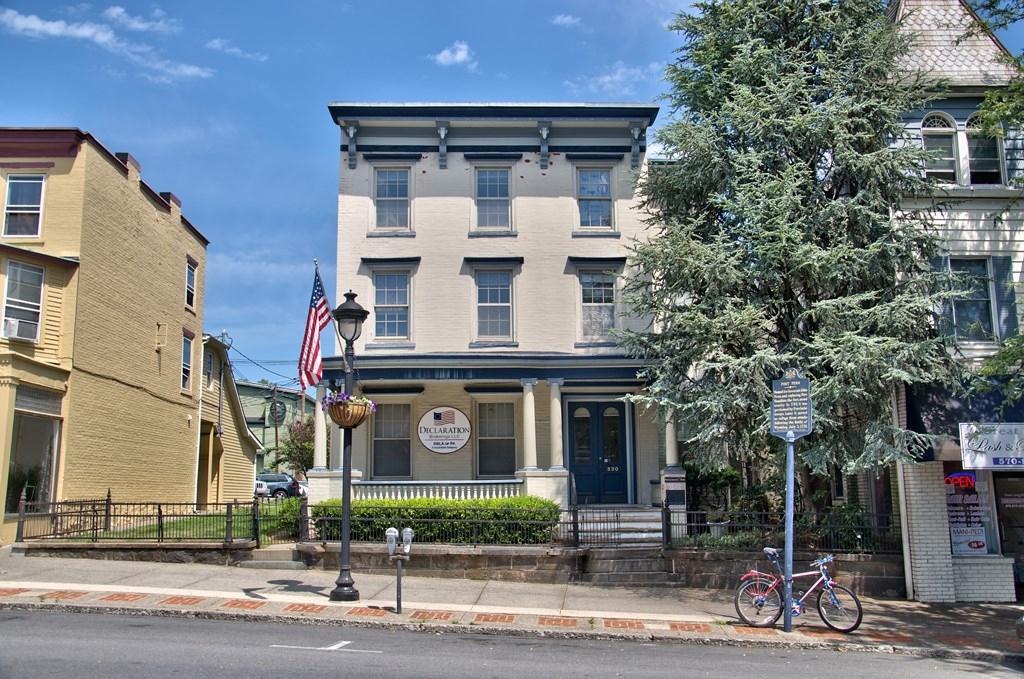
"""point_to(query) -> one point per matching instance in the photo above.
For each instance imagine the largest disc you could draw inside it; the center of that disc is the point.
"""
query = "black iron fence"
(847, 530)
(264, 521)
(292, 520)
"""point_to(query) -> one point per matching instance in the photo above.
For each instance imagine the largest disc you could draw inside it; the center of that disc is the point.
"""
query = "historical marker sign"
(791, 406)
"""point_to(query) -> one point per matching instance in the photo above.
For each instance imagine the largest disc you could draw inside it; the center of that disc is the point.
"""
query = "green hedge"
(498, 521)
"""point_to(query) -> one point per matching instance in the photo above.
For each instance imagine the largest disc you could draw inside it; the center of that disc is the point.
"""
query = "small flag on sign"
(444, 417)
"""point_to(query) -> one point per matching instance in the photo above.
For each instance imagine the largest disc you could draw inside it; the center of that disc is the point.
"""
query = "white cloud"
(619, 80)
(159, 24)
(458, 54)
(144, 56)
(226, 47)
(566, 21)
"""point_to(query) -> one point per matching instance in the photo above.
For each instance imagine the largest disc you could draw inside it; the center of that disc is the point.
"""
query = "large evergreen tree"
(776, 238)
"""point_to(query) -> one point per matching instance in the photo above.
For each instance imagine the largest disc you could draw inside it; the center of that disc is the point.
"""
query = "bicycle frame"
(778, 579)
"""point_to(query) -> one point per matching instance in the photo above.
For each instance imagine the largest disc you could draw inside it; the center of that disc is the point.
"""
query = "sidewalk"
(669, 614)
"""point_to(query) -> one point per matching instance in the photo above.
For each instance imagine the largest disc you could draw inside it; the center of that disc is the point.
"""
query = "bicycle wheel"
(757, 603)
(840, 609)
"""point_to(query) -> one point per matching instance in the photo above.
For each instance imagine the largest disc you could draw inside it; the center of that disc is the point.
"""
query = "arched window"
(938, 133)
(983, 151)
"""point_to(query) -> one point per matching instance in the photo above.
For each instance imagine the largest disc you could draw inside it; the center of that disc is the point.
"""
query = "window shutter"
(941, 264)
(1006, 304)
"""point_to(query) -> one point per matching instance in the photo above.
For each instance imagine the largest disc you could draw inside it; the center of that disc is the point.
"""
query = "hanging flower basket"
(348, 411)
(349, 415)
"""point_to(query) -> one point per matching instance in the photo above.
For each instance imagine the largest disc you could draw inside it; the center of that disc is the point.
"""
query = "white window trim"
(960, 134)
(186, 379)
(392, 400)
(509, 168)
(993, 312)
(511, 270)
(191, 267)
(584, 166)
(42, 300)
(42, 202)
(375, 169)
(966, 160)
(386, 270)
(616, 275)
(484, 399)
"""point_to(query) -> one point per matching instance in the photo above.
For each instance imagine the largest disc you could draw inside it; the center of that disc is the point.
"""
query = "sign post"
(790, 419)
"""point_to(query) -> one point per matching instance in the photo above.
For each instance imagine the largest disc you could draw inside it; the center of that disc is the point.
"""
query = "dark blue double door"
(598, 461)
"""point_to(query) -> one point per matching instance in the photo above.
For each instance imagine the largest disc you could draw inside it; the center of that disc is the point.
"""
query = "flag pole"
(337, 334)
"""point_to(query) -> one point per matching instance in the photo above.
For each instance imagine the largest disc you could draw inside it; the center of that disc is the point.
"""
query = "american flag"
(444, 417)
(310, 368)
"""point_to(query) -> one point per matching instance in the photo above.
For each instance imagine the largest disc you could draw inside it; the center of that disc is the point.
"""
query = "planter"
(348, 415)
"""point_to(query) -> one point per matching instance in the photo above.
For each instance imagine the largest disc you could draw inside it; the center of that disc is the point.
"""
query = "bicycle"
(759, 597)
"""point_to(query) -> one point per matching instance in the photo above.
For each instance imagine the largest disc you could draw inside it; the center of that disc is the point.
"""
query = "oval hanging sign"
(444, 430)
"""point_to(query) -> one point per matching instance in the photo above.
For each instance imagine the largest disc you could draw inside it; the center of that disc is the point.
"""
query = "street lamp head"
(350, 316)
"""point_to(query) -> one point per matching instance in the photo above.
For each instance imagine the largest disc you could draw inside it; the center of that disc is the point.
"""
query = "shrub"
(496, 521)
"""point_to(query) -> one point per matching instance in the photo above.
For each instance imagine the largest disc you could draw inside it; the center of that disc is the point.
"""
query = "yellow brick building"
(101, 344)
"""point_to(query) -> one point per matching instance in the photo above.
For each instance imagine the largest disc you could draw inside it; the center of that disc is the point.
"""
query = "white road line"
(340, 646)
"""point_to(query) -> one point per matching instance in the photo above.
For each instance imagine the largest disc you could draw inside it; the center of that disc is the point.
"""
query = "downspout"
(220, 402)
(908, 574)
(199, 432)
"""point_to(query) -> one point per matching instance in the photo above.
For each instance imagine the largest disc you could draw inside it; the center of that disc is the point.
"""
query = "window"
(208, 370)
(392, 199)
(972, 313)
(186, 363)
(496, 440)
(595, 198)
(598, 298)
(983, 153)
(494, 304)
(939, 136)
(23, 303)
(492, 201)
(34, 461)
(391, 443)
(24, 204)
(190, 283)
(391, 305)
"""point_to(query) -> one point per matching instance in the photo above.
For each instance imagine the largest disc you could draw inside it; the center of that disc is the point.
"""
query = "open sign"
(961, 480)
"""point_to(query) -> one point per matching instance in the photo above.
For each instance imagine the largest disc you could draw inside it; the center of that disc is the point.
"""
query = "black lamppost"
(349, 316)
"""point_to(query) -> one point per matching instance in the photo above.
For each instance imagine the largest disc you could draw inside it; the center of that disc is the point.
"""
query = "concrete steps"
(627, 566)
(281, 557)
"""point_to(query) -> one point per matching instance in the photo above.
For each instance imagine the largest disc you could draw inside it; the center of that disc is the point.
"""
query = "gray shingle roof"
(941, 50)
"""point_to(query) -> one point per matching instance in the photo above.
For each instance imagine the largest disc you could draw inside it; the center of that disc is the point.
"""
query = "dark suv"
(280, 485)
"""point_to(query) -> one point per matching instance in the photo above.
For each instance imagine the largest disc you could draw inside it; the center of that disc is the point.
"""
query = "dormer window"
(983, 154)
(938, 133)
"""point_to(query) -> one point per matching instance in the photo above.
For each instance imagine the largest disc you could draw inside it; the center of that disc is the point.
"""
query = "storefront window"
(972, 530)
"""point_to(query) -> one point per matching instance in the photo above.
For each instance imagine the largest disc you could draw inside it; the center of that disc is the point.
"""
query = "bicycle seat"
(771, 551)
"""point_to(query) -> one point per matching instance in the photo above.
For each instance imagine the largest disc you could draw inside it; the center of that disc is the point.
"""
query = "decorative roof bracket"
(442, 148)
(351, 127)
(544, 127)
(636, 130)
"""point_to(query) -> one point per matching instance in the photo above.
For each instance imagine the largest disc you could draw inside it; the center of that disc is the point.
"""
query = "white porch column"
(555, 385)
(529, 424)
(319, 430)
(671, 444)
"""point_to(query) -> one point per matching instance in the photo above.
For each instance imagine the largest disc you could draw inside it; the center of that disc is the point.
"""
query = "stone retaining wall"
(870, 574)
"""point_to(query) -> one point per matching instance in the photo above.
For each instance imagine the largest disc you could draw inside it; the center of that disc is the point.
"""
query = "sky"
(224, 104)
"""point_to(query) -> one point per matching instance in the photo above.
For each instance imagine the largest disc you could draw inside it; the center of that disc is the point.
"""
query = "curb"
(459, 627)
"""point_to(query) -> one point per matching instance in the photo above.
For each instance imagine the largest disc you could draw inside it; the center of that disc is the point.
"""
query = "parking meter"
(407, 539)
(392, 537)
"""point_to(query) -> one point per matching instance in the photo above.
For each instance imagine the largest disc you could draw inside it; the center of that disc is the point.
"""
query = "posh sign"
(444, 430)
(992, 446)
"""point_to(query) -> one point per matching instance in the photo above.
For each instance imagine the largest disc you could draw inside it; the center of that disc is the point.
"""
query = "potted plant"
(347, 410)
